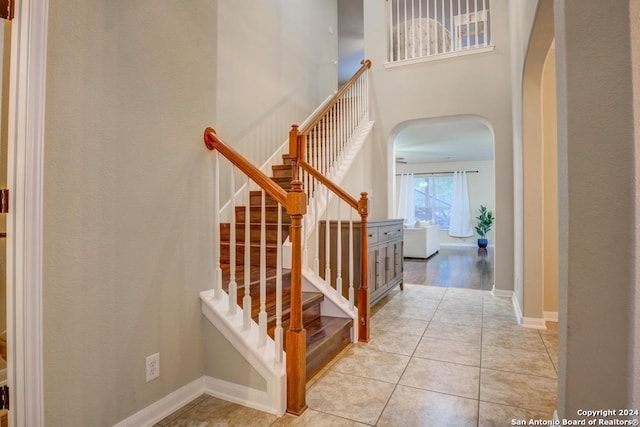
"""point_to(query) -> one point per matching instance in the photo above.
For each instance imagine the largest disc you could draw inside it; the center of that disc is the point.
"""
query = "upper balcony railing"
(430, 29)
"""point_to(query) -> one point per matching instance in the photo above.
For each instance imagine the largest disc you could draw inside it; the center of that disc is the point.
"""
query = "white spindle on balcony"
(427, 28)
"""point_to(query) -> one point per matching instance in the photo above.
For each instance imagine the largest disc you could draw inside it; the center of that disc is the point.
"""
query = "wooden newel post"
(296, 346)
(293, 142)
(294, 153)
(363, 290)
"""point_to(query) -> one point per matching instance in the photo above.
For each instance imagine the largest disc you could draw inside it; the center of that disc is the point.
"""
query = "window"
(432, 199)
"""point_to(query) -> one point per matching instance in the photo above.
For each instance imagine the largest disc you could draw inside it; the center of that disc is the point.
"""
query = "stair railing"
(316, 150)
(295, 204)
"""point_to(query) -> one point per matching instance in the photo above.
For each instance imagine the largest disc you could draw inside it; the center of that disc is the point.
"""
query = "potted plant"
(485, 221)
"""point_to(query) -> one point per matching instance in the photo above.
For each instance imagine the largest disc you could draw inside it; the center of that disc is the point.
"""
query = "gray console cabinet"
(385, 255)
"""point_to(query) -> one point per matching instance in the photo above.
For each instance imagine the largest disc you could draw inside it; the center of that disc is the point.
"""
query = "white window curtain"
(406, 207)
(460, 223)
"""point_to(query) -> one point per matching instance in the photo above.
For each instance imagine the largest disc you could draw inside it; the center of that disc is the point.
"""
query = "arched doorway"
(540, 183)
(431, 150)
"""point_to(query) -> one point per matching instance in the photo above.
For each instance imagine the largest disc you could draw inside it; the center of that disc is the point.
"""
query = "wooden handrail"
(212, 142)
(366, 64)
(329, 184)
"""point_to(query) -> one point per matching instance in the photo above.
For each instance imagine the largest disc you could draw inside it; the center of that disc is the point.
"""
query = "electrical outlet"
(152, 366)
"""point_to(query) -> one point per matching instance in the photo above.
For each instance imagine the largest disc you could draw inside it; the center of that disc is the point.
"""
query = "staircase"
(288, 323)
(326, 335)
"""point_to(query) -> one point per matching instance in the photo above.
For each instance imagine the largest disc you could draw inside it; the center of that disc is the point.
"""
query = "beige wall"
(480, 185)
(533, 165)
(596, 158)
(473, 84)
(550, 183)
(276, 64)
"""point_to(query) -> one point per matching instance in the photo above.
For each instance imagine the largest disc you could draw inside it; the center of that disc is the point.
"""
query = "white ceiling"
(448, 139)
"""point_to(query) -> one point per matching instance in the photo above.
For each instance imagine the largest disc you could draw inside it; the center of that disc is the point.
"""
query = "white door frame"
(24, 221)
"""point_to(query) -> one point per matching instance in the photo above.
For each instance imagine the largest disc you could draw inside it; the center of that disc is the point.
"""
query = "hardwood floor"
(456, 267)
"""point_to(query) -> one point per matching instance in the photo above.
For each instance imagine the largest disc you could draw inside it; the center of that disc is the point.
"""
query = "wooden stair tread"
(326, 336)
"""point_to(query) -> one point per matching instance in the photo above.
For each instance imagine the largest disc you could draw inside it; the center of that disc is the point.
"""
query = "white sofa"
(421, 241)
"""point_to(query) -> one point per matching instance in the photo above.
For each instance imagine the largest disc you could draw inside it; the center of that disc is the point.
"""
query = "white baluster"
(391, 55)
(334, 117)
(458, 27)
(366, 96)
(485, 19)
(317, 228)
(435, 22)
(233, 285)
(420, 20)
(246, 301)
(429, 29)
(475, 23)
(339, 252)
(406, 32)
(468, 33)
(317, 152)
(277, 334)
(327, 251)
(413, 30)
(262, 316)
(444, 41)
(217, 287)
(351, 290)
(488, 30)
(398, 30)
(451, 48)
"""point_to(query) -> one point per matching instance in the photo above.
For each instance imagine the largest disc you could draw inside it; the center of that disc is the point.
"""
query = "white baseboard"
(221, 389)
(516, 308)
(458, 245)
(501, 293)
(242, 395)
(533, 323)
(527, 322)
(461, 245)
(165, 406)
(551, 316)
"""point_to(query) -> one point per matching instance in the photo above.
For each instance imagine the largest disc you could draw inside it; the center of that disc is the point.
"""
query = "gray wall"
(127, 208)
(128, 182)
(464, 85)
(596, 151)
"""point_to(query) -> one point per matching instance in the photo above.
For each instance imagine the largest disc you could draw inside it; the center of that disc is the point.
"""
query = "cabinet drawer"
(390, 232)
(372, 235)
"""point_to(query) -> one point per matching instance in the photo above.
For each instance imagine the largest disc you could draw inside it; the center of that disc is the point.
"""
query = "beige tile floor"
(437, 357)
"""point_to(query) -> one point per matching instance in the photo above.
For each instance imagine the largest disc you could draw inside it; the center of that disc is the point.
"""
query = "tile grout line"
(480, 364)
(407, 365)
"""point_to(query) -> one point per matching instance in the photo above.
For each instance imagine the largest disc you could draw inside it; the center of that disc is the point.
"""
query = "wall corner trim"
(550, 316)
